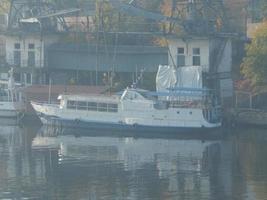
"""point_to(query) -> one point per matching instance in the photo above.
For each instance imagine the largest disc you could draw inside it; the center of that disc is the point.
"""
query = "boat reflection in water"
(53, 165)
(130, 168)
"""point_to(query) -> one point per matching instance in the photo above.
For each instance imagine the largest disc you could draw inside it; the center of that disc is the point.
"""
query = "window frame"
(91, 106)
(102, 107)
(82, 107)
(180, 57)
(196, 58)
(112, 107)
(17, 46)
(31, 59)
(72, 106)
(31, 46)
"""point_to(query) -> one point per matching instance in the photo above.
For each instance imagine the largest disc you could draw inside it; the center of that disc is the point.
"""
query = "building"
(26, 32)
(212, 53)
(39, 54)
(27, 54)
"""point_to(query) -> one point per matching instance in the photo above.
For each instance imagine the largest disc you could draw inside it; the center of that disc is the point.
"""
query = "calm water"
(47, 164)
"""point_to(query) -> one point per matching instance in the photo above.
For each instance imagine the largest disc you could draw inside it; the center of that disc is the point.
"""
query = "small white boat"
(11, 101)
(134, 110)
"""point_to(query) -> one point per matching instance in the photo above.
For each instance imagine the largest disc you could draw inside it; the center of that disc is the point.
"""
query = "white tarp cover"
(189, 77)
(182, 77)
(166, 78)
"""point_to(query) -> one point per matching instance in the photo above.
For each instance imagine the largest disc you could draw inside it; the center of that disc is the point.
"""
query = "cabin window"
(196, 57)
(92, 106)
(81, 105)
(112, 108)
(180, 57)
(71, 104)
(102, 107)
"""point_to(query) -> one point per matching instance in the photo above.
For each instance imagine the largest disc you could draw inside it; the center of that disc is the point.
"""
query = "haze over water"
(47, 164)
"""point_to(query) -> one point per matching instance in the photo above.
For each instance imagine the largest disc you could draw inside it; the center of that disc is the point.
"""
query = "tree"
(4, 6)
(110, 19)
(254, 66)
(264, 8)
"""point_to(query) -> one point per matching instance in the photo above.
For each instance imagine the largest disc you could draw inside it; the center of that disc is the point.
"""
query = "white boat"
(134, 110)
(11, 101)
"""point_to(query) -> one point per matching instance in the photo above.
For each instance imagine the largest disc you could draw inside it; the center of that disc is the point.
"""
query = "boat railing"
(213, 115)
(184, 93)
(9, 95)
(165, 104)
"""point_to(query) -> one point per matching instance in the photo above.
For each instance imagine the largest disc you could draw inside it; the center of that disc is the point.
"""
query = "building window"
(28, 78)
(17, 77)
(17, 58)
(196, 57)
(31, 58)
(2, 48)
(180, 57)
(17, 45)
(17, 55)
(31, 46)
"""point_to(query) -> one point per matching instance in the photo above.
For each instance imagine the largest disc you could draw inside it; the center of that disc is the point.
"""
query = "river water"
(48, 163)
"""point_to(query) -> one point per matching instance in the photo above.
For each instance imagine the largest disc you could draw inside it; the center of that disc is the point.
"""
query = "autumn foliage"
(254, 66)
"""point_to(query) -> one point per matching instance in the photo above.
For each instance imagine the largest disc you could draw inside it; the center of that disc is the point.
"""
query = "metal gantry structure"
(49, 13)
(193, 16)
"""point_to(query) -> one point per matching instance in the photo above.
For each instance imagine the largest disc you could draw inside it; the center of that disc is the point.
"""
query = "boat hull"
(119, 127)
(11, 110)
(8, 113)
